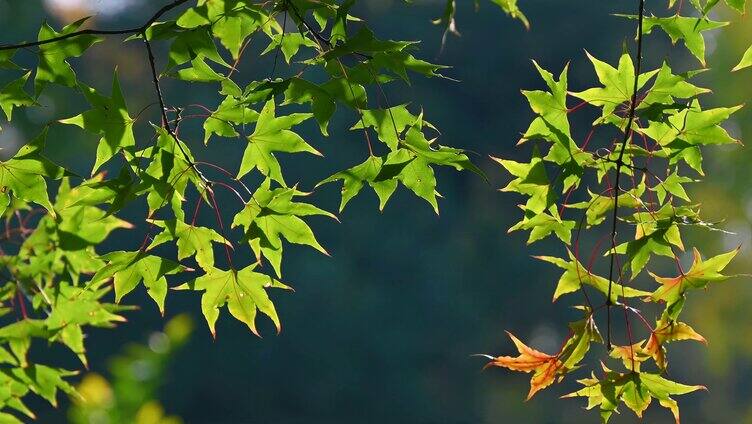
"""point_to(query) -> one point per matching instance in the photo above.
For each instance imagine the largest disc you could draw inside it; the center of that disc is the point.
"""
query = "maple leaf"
(190, 240)
(370, 172)
(582, 334)
(551, 107)
(230, 112)
(665, 332)
(108, 118)
(635, 389)
(388, 123)
(24, 174)
(300, 91)
(688, 29)
(575, 274)
(231, 21)
(655, 234)
(668, 87)
(272, 214)
(632, 356)
(543, 224)
(545, 368)
(673, 290)
(746, 60)
(128, 269)
(13, 95)
(693, 127)
(510, 8)
(53, 67)
(272, 134)
(531, 180)
(244, 292)
(618, 84)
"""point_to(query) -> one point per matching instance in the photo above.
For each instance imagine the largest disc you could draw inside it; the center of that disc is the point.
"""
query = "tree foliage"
(57, 278)
(59, 282)
(630, 192)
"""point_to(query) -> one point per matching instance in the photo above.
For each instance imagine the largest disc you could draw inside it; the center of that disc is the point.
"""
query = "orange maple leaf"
(669, 332)
(544, 367)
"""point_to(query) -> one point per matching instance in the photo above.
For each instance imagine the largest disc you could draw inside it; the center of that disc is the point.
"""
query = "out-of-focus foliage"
(135, 377)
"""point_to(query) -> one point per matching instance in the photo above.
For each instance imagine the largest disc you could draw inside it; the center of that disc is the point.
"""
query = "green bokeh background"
(382, 332)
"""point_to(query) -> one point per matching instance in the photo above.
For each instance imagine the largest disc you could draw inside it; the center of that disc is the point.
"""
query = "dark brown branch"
(620, 164)
(137, 30)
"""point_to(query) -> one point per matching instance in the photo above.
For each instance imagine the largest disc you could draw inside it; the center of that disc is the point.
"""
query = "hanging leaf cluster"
(629, 192)
(57, 279)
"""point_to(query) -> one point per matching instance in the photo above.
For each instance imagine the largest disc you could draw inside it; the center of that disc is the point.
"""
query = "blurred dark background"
(382, 332)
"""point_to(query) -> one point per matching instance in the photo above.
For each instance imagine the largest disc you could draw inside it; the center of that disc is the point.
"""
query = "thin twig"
(163, 109)
(137, 30)
(620, 162)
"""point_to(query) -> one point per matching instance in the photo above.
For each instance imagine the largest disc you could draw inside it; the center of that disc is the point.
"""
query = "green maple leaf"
(551, 107)
(688, 29)
(692, 127)
(531, 179)
(13, 95)
(582, 334)
(190, 240)
(598, 207)
(668, 87)
(168, 175)
(289, 44)
(746, 60)
(365, 42)
(388, 123)
(272, 214)
(25, 174)
(542, 224)
(231, 21)
(108, 118)
(370, 172)
(80, 306)
(400, 62)
(11, 398)
(635, 389)
(230, 112)
(673, 185)
(199, 71)
(700, 275)
(273, 134)
(128, 269)
(510, 8)
(300, 91)
(44, 381)
(411, 163)
(738, 5)
(53, 67)
(244, 292)
(5, 59)
(18, 335)
(416, 141)
(618, 84)
(187, 44)
(650, 240)
(575, 274)
(415, 173)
